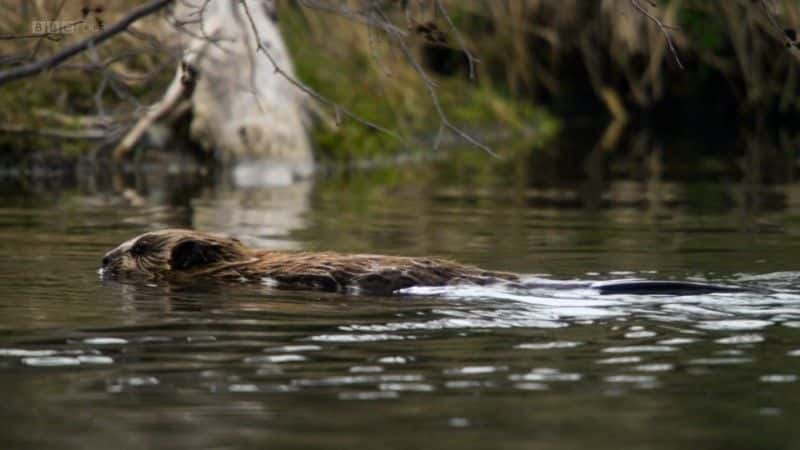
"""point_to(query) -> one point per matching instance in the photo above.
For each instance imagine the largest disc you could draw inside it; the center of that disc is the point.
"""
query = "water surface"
(92, 363)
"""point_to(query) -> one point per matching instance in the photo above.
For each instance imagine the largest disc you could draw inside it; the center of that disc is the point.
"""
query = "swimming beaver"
(180, 254)
(183, 254)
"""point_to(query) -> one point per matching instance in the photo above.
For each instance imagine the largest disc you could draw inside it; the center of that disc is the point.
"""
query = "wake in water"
(750, 302)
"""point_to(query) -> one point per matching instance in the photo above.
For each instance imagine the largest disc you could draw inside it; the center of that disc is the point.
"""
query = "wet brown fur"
(186, 254)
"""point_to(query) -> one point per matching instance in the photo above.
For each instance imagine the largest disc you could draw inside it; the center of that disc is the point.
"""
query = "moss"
(704, 29)
(375, 83)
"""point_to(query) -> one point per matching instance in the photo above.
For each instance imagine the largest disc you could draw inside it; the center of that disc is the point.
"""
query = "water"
(91, 363)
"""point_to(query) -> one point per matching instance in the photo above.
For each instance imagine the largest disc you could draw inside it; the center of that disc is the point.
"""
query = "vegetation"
(603, 58)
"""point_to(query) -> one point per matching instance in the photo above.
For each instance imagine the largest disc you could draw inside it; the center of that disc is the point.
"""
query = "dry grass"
(530, 51)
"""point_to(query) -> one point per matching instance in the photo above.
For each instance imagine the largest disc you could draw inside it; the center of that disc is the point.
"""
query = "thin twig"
(89, 133)
(347, 13)
(471, 60)
(338, 109)
(774, 22)
(661, 26)
(430, 87)
(34, 68)
(55, 35)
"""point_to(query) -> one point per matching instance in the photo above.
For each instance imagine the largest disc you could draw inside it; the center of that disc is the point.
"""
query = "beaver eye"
(138, 249)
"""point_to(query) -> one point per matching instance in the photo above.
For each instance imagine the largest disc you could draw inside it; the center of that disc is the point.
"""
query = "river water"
(91, 363)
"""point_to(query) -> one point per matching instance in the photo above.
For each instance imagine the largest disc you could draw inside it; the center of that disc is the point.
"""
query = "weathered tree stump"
(242, 102)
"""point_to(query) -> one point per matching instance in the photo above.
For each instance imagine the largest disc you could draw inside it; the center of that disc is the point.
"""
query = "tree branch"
(34, 68)
(338, 109)
(661, 26)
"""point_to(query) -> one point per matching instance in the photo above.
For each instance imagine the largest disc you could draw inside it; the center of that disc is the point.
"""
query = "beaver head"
(175, 252)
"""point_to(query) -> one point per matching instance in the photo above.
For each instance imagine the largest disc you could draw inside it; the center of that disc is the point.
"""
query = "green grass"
(375, 83)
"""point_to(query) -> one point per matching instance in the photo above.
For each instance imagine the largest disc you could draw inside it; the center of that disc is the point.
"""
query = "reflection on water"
(91, 363)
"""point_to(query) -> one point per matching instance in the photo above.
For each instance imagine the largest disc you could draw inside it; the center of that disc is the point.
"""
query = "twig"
(789, 41)
(39, 43)
(346, 13)
(471, 60)
(430, 86)
(34, 68)
(179, 89)
(661, 26)
(56, 35)
(89, 134)
(338, 109)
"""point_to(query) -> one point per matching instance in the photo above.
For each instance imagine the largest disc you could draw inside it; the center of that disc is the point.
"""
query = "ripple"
(531, 386)
(18, 352)
(734, 325)
(546, 374)
(640, 349)
(293, 348)
(50, 361)
(243, 388)
(122, 384)
(458, 422)
(463, 384)
(654, 367)
(366, 369)
(729, 352)
(401, 387)
(343, 380)
(639, 334)
(394, 360)
(719, 361)
(359, 337)
(140, 381)
(620, 360)
(741, 339)
(778, 378)
(274, 359)
(336, 380)
(520, 321)
(631, 379)
(368, 395)
(769, 412)
(548, 345)
(94, 359)
(474, 370)
(678, 341)
(104, 341)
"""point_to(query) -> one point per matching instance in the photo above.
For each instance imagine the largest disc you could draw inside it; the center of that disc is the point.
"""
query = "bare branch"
(347, 13)
(85, 134)
(637, 4)
(180, 88)
(338, 109)
(430, 87)
(471, 60)
(34, 68)
(773, 20)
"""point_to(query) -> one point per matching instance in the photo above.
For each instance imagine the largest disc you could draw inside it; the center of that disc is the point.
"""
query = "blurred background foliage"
(544, 65)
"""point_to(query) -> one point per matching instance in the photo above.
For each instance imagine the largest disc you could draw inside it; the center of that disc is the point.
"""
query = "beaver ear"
(191, 254)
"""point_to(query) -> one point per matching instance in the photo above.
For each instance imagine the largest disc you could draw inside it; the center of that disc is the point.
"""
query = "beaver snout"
(111, 262)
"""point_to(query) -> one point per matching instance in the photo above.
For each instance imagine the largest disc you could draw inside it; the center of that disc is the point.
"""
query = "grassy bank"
(369, 75)
(569, 57)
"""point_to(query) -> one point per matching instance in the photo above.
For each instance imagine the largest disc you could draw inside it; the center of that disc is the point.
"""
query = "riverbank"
(538, 66)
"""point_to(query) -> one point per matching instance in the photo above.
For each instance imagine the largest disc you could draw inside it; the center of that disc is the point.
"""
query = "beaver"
(179, 254)
(182, 254)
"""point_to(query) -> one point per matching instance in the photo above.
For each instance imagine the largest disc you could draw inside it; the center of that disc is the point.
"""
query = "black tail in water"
(644, 287)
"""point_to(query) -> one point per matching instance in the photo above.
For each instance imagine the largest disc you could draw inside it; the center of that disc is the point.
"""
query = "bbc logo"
(63, 27)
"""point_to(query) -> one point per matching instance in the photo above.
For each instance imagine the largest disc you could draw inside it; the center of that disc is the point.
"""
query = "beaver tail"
(648, 287)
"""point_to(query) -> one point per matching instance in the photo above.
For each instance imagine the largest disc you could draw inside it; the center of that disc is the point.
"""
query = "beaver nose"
(106, 261)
